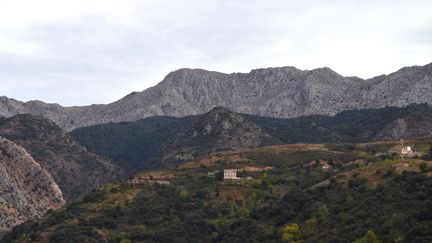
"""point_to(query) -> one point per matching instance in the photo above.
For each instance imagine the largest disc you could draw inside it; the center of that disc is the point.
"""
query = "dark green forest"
(353, 126)
(139, 145)
(398, 211)
(132, 145)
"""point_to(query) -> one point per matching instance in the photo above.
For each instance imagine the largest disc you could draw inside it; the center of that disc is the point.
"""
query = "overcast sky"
(96, 51)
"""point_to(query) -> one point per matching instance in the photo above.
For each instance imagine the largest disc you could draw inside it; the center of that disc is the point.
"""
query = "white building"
(230, 175)
(406, 151)
(326, 167)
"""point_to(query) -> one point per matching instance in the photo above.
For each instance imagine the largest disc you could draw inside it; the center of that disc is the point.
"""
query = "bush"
(423, 167)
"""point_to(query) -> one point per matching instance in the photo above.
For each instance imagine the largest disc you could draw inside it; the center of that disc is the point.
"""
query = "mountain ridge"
(281, 92)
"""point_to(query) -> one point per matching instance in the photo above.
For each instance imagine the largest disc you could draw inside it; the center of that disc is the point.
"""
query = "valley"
(220, 176)
(217, 121)
(166, 178)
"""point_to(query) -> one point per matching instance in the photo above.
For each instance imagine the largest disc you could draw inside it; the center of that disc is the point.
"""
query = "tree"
(323, 211)
(291, 233)
(423, 167)
(311, 225)
(317, 162)
(330, 162)
(369, 237)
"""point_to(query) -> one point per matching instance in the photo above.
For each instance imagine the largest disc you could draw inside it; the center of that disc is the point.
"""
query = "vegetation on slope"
(74, 169)
(275, 205)
(353, 126)
(133, 145)
(138, 145)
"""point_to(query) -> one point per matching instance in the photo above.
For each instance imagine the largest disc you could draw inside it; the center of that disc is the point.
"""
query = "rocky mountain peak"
(282, 92)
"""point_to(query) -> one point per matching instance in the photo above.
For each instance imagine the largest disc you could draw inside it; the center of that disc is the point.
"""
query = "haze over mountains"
(283, 92)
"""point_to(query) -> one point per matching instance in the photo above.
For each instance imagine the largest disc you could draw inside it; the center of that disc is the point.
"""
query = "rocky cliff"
(276, 92)
(27, 191)
(218, 130)
(74, 169)
(405, 128)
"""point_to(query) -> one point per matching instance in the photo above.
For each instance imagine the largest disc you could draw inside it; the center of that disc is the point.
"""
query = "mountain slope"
(353, 126)
(284, 92)
(217, 130)
(277, 200)
(132, 145)
(74, 169)
(139, 144)
(27, 191)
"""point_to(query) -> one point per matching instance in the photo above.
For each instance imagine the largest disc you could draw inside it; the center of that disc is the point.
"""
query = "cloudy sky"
(97, 51)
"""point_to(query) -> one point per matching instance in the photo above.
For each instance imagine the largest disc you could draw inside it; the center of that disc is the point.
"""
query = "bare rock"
(27, 191)
(74, 169)
(284, 92)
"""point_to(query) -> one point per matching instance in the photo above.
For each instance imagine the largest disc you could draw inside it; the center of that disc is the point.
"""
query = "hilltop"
(218, 130)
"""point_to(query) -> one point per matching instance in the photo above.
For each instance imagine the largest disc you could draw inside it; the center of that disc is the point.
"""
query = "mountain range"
(283, 92)
(268, 124)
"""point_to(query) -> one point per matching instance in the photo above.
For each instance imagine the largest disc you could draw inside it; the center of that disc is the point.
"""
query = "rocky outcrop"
(27, 191)
(405, 128)
(284, 92)
(218, 130)
(74, 169)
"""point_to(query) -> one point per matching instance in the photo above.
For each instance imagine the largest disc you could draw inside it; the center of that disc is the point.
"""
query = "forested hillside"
(132, 145)
(137, 145)
(280, 198)
(354, 126)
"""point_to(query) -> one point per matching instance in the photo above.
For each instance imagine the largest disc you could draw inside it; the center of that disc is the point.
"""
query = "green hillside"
(133, 145)
(352, 126)
(139, 145)
(287, 197)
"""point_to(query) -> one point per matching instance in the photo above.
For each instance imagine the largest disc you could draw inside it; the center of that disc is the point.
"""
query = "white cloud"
(81, 52)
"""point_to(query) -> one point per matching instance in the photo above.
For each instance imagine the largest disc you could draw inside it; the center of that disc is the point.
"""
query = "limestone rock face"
(218, 130)
(283, 92)
(27, 191)
(74, 169)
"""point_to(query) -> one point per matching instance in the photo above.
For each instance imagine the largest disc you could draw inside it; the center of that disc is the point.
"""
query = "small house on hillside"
(327, 167)
(230, 175)
(406, 151)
